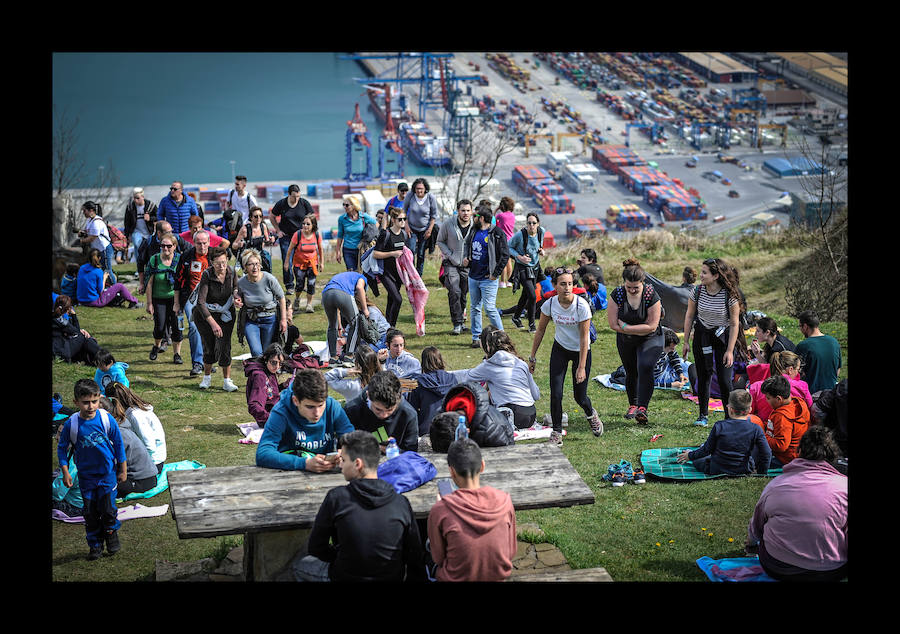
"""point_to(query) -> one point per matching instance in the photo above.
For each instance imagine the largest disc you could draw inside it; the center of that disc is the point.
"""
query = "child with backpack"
(306, 257)
(92, 437)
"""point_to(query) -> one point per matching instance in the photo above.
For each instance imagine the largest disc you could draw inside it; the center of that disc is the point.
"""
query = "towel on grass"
(535, 431)
(715, 404)
(252, 433)
(604, 380)
(124, 513)
(162, 480)
(733, 569)
(661, 463)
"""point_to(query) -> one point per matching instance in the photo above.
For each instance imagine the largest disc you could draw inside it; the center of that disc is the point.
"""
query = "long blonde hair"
(780, 361)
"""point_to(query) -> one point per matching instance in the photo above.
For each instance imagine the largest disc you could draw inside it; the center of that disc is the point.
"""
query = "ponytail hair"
(95, 207)
(494, 340)
(632, 271)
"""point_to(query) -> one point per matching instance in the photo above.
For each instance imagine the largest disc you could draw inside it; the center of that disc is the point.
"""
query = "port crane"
(358, 144)
(655, 130)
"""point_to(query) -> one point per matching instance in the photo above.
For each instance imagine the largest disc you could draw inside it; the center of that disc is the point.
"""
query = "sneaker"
(702, 421)
(289, 290)
(618, 478)
(95, 553)
(555, 438)
(309, 308)
(163, 345)
(517, 321)
(457, 329)
(640, 415)
(197, 369)
(532, 328)
(630, 413)
(595, 423)
(176, 359)
(112, 542)
(206, 382)
(229, 386)
(565, 420)
(476, 343)
(132, 305)
(296, 305)
(154, 352)
(639, 477)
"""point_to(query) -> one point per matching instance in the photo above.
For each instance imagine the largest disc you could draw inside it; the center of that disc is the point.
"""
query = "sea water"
(159, 117)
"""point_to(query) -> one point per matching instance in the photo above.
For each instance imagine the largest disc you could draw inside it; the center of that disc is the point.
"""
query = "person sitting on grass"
(141, 473)
(381, 410)
(671, 370)
(735, 446)
(772, 340)
(364, 531)
(799, 525)
(788, 365)
(472, 531)
(350, 382)
(788, 421)
(395, 358)
(109, 371)
(263, 389)
(143, 421)
(93, 438)
(303, 427)
(431, 387)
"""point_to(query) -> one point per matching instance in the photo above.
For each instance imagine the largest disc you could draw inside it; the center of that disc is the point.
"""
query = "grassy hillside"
(653, 532)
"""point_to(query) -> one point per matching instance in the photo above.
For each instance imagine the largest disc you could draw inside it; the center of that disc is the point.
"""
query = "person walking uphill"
(350, 230)
(176, 208)
(634, 315)
(713, 313)
(421, 210)
(486, 254)
(525, 248)
(140, 218)
(163, 302)
(214, 316)
(451, 240)
(287, 216)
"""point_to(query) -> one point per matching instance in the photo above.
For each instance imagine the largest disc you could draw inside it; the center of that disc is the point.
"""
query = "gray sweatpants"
(333, 301)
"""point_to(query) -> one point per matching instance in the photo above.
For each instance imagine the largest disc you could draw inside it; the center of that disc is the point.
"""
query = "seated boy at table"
(381, 409)
(735, 446)
(303, 426)
(364, 531)
(471, 531)
(788, 421)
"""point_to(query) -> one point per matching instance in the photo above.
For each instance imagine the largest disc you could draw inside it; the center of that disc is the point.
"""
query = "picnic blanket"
(715, 404)
(251, 431)
(733, 569)
(604, 380)
(124, 513)
(162, 480)
(661, 464)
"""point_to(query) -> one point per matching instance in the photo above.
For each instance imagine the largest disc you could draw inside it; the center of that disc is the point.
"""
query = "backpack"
(73, 427)
(304, 357)
(369, 234)
(118, 239)
(231, 222)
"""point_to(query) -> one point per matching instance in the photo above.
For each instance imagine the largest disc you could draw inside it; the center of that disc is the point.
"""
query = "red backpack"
(118, 239)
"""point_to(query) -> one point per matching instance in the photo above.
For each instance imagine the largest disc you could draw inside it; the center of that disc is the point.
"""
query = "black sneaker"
(163, 345)
(176, 358)
(515, 319)
(154, 352)
(197, 369)
(112, 542)
(532, 328)
(476, 343)
(95, 553)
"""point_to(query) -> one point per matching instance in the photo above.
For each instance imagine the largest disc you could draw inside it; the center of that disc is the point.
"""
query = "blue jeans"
(416, 244)
(483, 295)
(194, 339)
(284, 244)
(137, 239)
(109, 256)
(260, 334)
(351, 258)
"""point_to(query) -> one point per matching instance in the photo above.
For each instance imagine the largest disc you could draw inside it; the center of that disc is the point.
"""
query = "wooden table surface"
(233, 500)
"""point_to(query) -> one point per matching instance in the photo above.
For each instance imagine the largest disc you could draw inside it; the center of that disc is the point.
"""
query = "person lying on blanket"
(736, 445)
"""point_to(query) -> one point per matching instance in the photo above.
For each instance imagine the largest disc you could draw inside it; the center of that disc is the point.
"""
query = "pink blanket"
(415, 288)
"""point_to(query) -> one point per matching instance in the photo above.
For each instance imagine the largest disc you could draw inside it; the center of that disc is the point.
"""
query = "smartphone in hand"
(445, 487)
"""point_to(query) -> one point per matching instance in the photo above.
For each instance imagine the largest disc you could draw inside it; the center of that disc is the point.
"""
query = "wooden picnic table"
(275, 509)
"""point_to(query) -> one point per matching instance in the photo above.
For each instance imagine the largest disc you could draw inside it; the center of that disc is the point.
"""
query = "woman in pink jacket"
(263, 389)
(787, 364)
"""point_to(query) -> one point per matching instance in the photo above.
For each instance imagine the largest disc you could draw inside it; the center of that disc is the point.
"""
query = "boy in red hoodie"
(787, 423)
(472, 531)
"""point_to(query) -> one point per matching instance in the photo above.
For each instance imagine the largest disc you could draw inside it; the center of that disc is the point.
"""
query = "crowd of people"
(185, 272)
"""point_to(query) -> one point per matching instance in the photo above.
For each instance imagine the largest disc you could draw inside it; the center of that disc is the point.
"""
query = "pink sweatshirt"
(506, 221)
(760, 406)
(801, 516)
(473, 535)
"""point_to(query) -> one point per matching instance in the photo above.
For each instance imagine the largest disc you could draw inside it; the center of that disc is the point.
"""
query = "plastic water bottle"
(461, 431)
(392, 450)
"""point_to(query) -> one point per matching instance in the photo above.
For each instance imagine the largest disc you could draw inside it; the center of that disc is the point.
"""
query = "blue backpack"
(407, 471)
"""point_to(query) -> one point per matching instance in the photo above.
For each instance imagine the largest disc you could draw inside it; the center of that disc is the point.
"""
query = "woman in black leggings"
(714, 314)
(388, 248)
(634, 312)
(571, 315)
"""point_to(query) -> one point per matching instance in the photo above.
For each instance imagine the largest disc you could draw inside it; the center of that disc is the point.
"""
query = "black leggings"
(135, 486)
(639, 356)
(704, 363)
(165, 319)
(559, 360)
(395, 299)
(527, 300)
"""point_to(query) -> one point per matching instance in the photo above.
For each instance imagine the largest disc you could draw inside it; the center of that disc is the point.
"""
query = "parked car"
(732, 193)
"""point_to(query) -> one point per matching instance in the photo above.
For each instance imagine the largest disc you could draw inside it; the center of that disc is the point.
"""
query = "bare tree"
(819, 281)
(68, 166)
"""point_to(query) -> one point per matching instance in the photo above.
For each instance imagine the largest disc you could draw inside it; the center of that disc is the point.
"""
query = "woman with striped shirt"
(714, 313)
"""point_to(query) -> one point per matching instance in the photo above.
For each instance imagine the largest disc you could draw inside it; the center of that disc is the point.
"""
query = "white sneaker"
(229, 386)
(206, 382)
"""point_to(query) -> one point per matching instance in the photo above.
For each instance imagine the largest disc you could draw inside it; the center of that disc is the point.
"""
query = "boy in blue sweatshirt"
(109, 371)
(303, 426)
(736, 445)
(99, 452)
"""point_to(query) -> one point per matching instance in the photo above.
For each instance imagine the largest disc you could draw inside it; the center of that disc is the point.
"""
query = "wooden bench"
(275, 509)
(583, 575)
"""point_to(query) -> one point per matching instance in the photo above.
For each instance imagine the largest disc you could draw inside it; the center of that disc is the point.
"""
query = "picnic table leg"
(266, 554)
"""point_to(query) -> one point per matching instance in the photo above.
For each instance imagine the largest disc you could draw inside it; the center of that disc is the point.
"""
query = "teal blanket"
(661, 463)
(162, 480)
(733, 569)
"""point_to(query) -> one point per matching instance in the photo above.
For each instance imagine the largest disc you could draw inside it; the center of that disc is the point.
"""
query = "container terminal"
(594, 142)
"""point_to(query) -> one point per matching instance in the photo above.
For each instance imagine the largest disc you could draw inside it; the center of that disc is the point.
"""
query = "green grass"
(619, 532)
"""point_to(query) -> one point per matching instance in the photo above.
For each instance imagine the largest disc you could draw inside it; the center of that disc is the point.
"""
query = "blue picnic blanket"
(661, 463)
(733, 569)
(162, 480)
